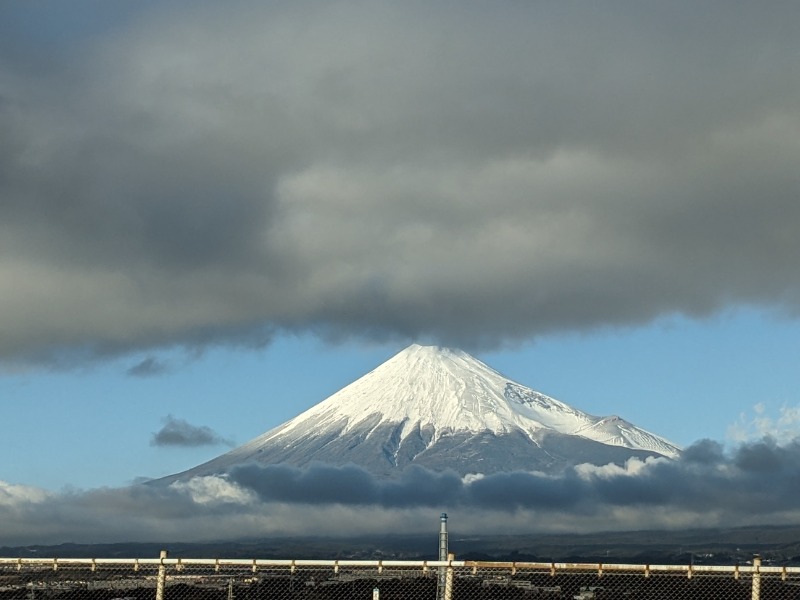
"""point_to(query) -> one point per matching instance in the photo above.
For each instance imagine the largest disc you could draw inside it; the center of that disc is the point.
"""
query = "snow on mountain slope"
(442, 409)
(449, 392)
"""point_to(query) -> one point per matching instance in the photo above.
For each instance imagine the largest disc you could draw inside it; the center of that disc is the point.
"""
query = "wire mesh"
(201, 579)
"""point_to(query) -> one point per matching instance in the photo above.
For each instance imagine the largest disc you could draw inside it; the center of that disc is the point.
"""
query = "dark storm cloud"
(444, 171)
(148, 367)
(759, 473)
(513, 491)
(323, 484)
(178, 432)
(316, 485)
(754, 484)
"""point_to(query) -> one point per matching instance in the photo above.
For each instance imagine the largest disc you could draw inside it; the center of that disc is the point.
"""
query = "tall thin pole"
(443, 537)
(440, 589)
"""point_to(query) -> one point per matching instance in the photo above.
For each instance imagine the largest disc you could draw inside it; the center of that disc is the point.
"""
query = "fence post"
(448, 580)
(756, 578)
(162, 576)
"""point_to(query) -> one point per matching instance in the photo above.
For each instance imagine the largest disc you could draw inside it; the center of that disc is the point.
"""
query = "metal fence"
(217, 579)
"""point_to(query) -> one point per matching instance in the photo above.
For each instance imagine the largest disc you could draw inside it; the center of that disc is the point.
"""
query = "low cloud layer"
(757, 483)
(762, 474)
(464, 174)
(178, 432)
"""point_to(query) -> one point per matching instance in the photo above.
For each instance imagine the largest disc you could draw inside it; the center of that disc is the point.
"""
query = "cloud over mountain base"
(753, 484)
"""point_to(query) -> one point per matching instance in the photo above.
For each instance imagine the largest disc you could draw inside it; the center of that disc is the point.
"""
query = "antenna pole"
(440, 588)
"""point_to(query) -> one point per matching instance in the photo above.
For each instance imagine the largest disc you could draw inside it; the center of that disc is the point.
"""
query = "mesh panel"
(186, 579)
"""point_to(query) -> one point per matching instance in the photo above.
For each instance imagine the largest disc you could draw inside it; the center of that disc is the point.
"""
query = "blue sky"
(213, 216)
(685, 380)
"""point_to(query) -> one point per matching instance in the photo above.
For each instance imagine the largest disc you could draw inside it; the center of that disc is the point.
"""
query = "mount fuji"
(441, 409)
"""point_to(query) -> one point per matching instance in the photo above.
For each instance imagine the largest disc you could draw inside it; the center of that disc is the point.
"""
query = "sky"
(213, 216)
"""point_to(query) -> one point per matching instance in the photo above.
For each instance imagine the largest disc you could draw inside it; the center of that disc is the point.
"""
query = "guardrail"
(167, 578)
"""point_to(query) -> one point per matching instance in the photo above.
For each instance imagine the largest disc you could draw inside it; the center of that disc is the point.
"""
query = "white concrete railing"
(164, 571)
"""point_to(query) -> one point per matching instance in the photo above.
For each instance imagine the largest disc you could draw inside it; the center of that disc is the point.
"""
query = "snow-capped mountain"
(443, 409)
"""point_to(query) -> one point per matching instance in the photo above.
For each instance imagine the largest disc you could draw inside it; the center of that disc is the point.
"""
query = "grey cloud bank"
(472, 175)
(753, 484)
(759, 476)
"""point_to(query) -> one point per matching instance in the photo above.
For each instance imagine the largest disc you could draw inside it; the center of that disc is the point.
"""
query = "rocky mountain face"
(442, 409)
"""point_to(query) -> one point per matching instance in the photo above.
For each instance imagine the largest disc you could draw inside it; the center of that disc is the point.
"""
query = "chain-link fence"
(210, 579)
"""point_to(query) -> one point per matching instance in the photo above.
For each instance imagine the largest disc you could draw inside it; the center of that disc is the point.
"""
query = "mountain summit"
(443, 409)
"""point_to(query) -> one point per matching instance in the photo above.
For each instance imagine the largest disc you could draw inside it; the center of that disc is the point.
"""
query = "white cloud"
(213, 490)
(632, 467)
(470, 477)
(764, 422)
(12, 495)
